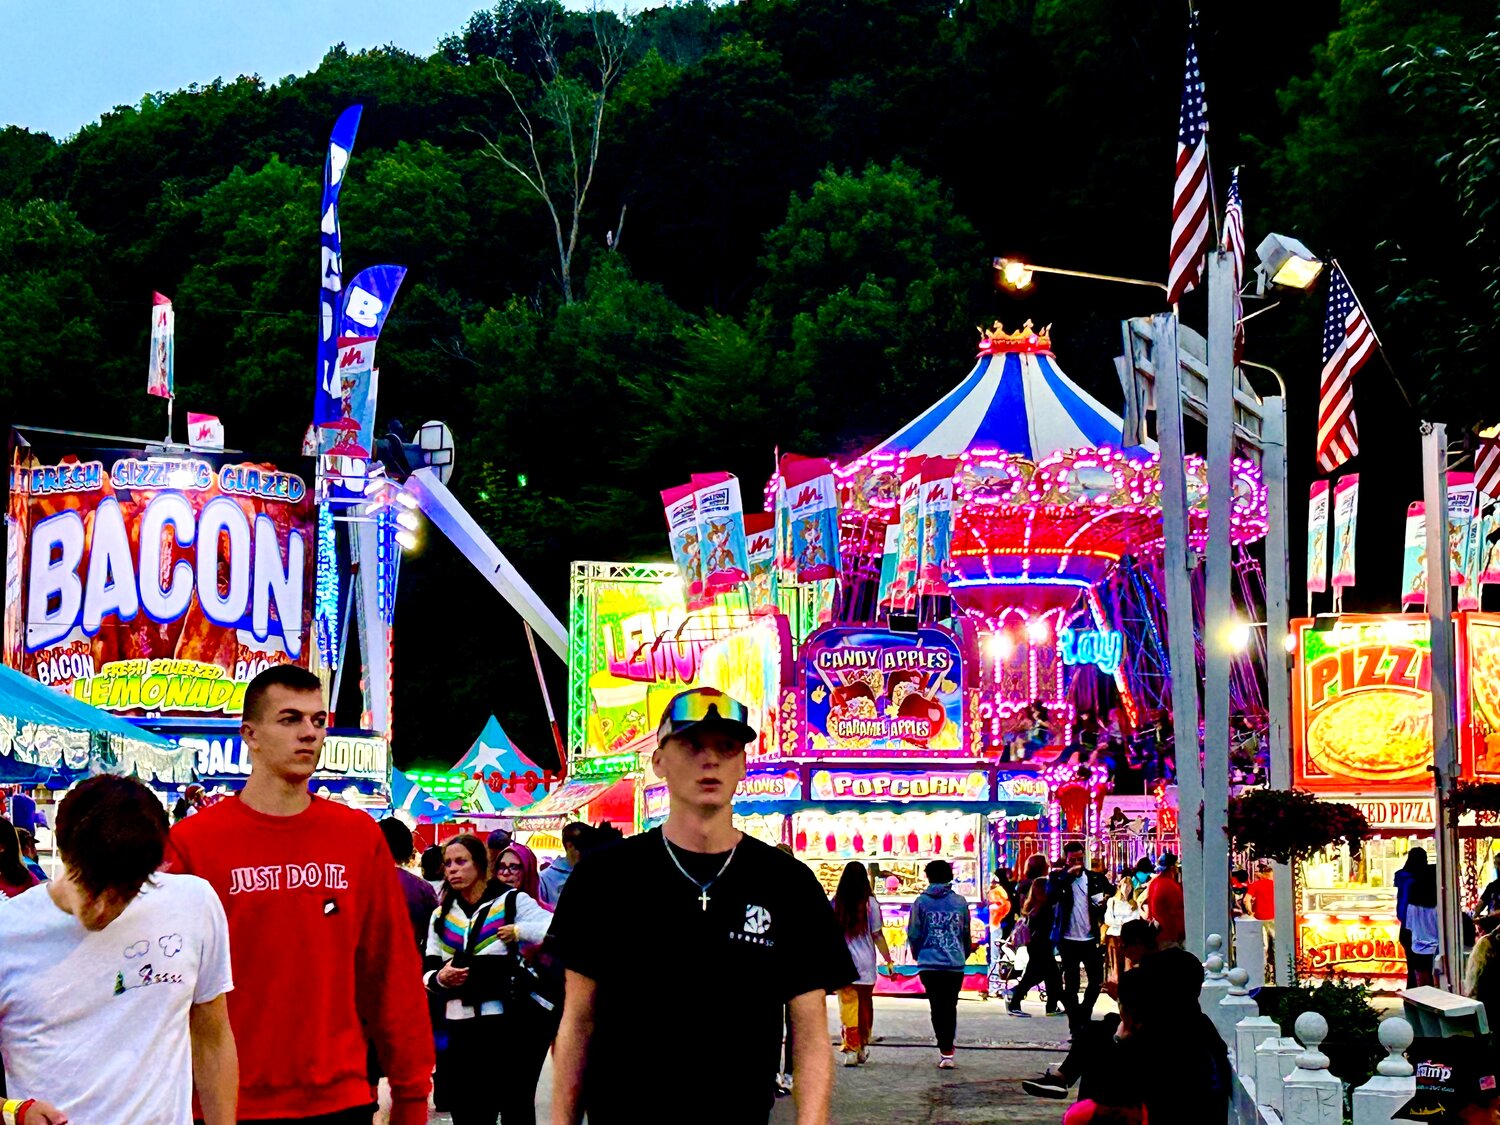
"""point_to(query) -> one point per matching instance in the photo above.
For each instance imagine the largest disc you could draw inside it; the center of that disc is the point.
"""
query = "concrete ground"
(901, 1084)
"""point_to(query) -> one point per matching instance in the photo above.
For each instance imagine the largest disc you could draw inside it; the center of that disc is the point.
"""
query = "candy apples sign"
(154, 584)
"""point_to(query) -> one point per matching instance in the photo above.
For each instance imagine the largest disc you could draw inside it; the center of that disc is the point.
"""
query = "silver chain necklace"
(702, 887)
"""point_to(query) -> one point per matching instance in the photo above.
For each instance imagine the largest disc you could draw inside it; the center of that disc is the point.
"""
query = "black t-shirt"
(688, 1005)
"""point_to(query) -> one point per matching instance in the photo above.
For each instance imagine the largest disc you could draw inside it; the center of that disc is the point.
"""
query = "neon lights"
(1102, 648)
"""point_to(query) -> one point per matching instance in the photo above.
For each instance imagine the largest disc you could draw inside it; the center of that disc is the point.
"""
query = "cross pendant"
(703, 900)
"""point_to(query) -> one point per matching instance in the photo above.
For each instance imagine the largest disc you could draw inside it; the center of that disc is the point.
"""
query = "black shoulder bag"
(527, 983)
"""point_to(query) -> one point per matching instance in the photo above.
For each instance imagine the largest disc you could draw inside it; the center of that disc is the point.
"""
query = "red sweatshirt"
(321, 948)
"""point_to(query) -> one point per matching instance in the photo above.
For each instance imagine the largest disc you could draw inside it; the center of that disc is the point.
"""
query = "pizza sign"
(1362, 705)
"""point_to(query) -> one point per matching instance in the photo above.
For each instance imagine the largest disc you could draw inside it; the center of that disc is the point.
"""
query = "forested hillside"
(784, 243)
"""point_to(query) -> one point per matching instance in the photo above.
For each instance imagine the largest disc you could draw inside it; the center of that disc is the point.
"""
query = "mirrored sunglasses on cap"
(706, 708)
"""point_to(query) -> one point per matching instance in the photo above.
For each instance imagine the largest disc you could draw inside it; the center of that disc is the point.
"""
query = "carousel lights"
(1038, 631)
(1002, 647)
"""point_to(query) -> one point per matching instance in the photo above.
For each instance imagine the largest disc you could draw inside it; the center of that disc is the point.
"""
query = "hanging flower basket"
(1286, 825)
(1474, 797)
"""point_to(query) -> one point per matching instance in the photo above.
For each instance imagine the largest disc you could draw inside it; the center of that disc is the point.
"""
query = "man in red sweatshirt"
(319, 939)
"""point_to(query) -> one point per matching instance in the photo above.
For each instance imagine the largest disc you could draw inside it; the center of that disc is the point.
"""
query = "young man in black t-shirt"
(682, 947)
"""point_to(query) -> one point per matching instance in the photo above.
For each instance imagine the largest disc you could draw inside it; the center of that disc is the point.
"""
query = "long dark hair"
(851, 902)
(481, 857)
(12, 870)
(1423, 887)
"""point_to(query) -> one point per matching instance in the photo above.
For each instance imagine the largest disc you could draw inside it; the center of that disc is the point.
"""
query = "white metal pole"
(1177, 563)
(1445, 756)
(1218, 606)
(1278, 681)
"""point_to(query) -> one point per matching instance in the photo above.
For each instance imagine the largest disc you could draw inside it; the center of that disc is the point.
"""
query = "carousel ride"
(1010, 511)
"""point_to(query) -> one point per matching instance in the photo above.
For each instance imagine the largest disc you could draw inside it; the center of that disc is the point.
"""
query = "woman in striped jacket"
(470, 964)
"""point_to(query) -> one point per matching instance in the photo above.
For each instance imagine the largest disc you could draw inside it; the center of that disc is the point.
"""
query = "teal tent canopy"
(46, 736)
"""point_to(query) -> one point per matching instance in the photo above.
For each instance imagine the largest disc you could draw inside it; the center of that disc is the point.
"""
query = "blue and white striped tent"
(1016, 400)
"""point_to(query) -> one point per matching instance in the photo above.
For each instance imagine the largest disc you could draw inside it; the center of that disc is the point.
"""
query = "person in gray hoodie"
(938, 936)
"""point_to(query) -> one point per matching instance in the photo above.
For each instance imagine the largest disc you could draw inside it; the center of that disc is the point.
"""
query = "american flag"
(1487, 467)
(1234, 243)
(1190, 202)
(1348, 341)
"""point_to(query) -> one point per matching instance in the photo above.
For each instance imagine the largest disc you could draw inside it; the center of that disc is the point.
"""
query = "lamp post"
(1016, 274)
(1177, 566)
(1218, 600)
(1278, 628)
(1445, 752)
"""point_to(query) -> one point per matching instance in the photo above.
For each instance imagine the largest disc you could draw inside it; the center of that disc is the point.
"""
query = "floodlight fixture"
(1286, 262)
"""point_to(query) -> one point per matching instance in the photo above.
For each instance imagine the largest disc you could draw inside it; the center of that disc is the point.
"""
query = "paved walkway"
(901, 1084)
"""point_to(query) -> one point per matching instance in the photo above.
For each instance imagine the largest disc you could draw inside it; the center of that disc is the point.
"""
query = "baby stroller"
(1008, 963)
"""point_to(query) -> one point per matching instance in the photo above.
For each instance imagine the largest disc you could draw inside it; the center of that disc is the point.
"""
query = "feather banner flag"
(1345, 519)
(687, 549)
(160, 379)
(365, 305)
(813, 516)
(760, 552)
(935, 524)
(327, 402)
(1317, 538)
(205, 431)
(721, 531)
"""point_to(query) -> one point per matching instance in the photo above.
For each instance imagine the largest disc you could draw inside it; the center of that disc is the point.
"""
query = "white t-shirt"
(96, 1022)
(1078, 927)
(862, 946)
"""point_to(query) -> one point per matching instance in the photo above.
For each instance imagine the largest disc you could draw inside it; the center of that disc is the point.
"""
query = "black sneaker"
(1046, 1087)
(1015, 1010)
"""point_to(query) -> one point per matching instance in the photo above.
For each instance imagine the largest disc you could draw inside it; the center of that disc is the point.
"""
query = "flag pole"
(170, 400)
(1379, 347)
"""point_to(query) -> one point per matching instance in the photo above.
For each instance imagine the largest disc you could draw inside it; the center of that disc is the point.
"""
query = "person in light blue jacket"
(938, 936)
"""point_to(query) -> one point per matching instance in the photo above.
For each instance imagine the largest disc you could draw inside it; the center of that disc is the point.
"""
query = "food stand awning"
(565, 800)
(45, 735)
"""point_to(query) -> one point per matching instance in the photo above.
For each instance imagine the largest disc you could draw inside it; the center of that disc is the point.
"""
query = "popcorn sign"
(154, 585)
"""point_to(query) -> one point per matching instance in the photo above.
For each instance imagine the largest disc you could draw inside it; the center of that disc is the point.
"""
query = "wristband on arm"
(13, 1111)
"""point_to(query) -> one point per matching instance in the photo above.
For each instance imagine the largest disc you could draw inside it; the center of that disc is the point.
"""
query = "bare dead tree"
(572, 111)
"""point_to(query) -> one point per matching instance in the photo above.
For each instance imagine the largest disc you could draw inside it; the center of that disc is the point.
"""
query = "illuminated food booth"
(900, 624)
(1362, 734)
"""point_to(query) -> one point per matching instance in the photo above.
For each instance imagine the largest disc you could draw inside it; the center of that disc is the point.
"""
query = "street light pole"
(1218, 604)
(1445, 752)
(1278, 627)
(1177, 566)
(1016, 274)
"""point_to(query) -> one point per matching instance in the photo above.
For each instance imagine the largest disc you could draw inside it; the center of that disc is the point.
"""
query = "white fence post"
(1312, 1094)
(1249, 1034)
(1215, 985)
(1274, 1060)
(1236, 1006)
(1250, 949)
(1394, 1082)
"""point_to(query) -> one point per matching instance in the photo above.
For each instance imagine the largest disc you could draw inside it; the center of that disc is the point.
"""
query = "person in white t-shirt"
(859, 918)
(113, 977)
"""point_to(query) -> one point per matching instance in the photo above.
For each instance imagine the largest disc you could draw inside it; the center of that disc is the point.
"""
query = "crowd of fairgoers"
(274, 958)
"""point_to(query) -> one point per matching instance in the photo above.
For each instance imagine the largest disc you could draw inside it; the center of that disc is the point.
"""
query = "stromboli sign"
(154, 583)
